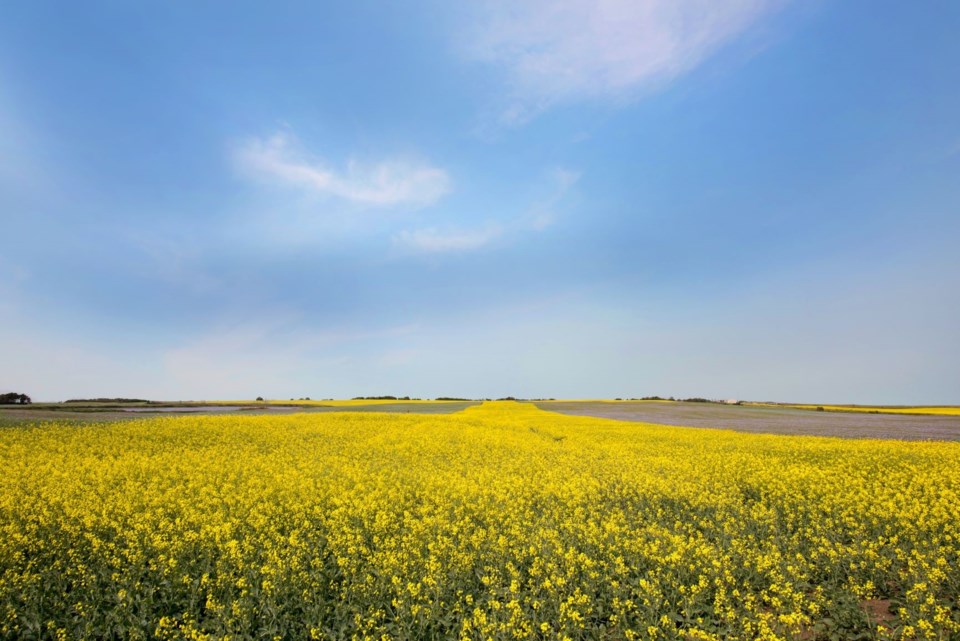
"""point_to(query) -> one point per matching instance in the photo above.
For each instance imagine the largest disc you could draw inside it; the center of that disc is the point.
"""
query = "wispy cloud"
(607, 48)
(542, 214)
(433, 240)
(280, 158)
(538, 217)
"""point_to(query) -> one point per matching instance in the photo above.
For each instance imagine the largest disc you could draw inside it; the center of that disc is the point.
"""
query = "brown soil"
(878, 611)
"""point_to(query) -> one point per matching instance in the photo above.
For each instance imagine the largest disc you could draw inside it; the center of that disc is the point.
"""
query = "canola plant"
(499, 522)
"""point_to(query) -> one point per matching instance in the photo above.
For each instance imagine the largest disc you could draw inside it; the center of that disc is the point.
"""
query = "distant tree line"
(390, 397)
(13, 398)
(695, 399)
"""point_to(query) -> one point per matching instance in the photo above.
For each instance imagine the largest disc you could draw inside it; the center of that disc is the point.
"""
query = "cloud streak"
(580, 49)
(280, 159)
(435, 241)
(540, 216)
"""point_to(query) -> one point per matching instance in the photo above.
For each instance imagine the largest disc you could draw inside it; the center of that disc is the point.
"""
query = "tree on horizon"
(14, 398)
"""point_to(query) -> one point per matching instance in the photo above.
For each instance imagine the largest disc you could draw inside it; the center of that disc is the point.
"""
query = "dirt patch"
(878, 611)
(769, 420)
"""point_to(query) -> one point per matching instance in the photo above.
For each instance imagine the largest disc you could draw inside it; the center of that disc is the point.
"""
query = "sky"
(750, 199)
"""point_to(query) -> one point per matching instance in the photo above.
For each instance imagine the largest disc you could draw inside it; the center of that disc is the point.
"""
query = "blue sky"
(749, 199)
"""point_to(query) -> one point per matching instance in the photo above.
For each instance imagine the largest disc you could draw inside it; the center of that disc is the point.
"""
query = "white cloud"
(601, 48)
(537, 218)
(280, 158)
(432, 240)
(541, 215)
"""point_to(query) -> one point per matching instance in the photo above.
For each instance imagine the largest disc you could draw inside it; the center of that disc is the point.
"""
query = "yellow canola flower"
(501, 521)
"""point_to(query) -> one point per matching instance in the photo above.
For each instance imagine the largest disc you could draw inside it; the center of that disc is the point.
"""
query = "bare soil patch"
(768, 420)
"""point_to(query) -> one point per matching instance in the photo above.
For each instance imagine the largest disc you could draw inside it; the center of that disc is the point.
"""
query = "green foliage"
(14, 398)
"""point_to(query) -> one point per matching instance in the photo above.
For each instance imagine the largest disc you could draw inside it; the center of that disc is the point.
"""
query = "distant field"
(499, 522)
(770, 419)
(354, 402)
(874, 409)
(90, 412)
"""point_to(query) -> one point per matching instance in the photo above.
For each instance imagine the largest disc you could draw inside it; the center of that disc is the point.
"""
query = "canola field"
(500, 522)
